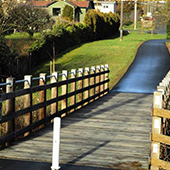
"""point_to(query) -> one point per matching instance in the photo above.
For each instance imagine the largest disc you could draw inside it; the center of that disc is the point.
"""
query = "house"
(40, 4)
(55, 8)
(105, 6)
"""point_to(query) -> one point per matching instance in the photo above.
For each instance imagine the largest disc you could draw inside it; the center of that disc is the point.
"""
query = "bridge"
(112, 132)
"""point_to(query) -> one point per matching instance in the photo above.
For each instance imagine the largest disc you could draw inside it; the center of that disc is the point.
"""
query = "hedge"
(168, 30)
(96, 26)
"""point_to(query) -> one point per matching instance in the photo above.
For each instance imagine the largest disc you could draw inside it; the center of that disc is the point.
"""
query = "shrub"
(6, 59)
(101, 24)
(96, 26)
(68, 13)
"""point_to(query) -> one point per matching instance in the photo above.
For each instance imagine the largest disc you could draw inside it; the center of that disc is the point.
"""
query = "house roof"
(81, 4)
(41, 3)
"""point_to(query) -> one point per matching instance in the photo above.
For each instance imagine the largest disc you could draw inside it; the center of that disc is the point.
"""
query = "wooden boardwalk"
(112, 132)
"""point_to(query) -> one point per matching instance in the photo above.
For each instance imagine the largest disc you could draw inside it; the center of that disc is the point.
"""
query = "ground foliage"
(6, 59)
(168, 30)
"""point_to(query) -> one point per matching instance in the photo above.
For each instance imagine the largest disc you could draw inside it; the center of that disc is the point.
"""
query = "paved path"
(151, 64)
(112, 133)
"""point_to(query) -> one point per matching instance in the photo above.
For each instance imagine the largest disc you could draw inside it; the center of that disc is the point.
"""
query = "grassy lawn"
(138, 27)
(119, 55)
(20, 42)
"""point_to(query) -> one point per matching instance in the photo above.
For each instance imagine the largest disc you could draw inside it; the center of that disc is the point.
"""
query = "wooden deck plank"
(114, 129)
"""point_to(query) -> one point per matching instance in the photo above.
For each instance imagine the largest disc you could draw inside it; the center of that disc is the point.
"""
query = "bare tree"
(163, 13)
(5, 20)
(29, 19)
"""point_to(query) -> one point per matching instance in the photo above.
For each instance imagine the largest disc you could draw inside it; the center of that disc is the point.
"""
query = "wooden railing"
(66, 92)
(160, 137)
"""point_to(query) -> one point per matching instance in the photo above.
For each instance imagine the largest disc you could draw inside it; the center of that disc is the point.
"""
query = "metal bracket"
(10, 83)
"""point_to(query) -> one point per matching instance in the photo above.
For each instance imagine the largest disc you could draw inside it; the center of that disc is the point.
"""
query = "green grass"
(138, 27)
(168, 45)
(19, 35)
(119, 55)
(20, 43)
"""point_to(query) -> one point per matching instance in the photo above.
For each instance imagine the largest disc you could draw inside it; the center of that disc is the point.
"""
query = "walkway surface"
(151, 64)
(111, 133)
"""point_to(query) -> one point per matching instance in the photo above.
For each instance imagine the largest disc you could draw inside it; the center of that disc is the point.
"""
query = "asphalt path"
(151, 64)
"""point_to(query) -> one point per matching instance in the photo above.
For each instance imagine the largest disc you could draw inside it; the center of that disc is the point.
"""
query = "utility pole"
(135, 14)
(121, 22)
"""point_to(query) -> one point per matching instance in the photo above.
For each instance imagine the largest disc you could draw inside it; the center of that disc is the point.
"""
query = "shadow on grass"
(45, 66)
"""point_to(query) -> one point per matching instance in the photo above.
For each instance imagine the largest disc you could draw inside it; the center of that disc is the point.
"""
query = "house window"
(105, 6)
(56, 11)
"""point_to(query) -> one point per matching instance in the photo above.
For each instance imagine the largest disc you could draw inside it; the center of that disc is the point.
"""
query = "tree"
(163, 13)
(163, 16)
(5, 21)
(128, 11)
(29, 19)
(68, 13)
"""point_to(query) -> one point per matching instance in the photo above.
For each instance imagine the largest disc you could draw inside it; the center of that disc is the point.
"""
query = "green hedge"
(168, 30)
(6, 58)
(96, 26)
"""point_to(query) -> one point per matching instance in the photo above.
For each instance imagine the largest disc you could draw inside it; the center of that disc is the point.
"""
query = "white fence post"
(56, 143)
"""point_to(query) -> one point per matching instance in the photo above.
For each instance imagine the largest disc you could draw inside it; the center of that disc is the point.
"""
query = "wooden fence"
(160, 137)
(65, 93)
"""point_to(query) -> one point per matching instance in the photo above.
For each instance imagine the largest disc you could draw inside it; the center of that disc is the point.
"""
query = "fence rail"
(66, 92)
(160, 137)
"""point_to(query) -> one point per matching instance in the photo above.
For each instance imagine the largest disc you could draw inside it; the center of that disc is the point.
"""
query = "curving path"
(110, 133)
(151, 64)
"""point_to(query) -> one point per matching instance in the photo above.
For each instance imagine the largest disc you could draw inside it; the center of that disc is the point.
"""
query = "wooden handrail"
(160, 126)
(87, 96)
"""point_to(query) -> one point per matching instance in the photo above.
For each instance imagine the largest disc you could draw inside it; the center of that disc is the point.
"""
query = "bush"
(96, 26)
(127, 22)
(168, 30)
(101, 24)
(68, 13)
(6, 59)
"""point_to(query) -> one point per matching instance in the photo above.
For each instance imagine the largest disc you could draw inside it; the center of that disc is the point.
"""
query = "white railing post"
(56, 143)
(156, 129)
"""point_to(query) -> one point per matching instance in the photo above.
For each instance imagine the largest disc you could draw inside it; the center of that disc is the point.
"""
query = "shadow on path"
(11, 164)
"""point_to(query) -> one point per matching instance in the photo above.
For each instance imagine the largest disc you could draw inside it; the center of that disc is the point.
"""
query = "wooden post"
(54, 93)
(28, 101)
(73, 88)
(106, 76)
(92, 81)
(86, 84)
(80, 85)
(97, 80)
(121, 21)
(42, 111)
(156, 129)
(0, 115)
(51, 67)
(102, 79)
(10, 106)
(64, 91)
